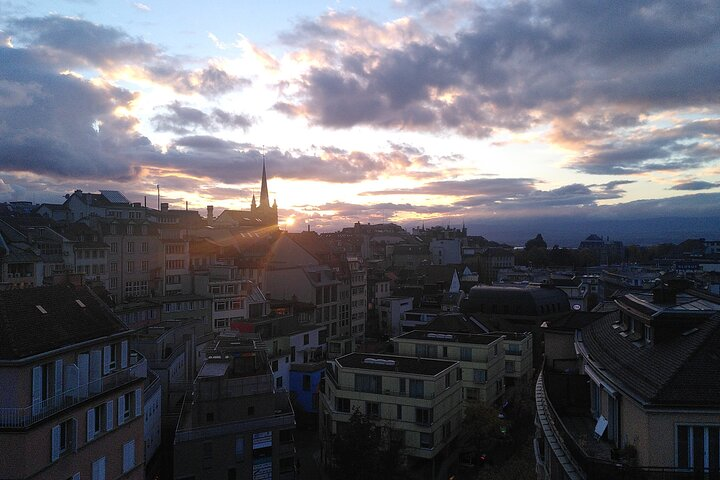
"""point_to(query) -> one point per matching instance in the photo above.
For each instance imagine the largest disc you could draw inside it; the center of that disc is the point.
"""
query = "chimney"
(164, 207)
(664, 295)
(210, 217)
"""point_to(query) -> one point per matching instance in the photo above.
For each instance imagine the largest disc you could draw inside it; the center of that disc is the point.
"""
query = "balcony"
(569, 435)
(425, 395)
(24, 417)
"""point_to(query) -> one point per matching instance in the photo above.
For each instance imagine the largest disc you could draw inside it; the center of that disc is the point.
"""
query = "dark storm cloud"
(183, 120)
(591, 69)
(691, 145)
(695, 185)
(67, 43)
(63, 126)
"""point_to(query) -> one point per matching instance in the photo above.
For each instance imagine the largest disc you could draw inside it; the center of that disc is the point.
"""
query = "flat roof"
(394, 363)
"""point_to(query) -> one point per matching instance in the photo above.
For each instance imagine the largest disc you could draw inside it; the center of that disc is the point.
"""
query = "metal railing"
(591, 468)
(390, 392)
(23, 417)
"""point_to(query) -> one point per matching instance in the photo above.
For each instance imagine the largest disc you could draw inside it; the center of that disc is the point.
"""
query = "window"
(239, 449)
(403, 387)
(113, 247)
(479, 376)
(306, 383)
(130, 247)
(423, 416)
(495, 350)
(417, 388)
(458, 374)
(372, 409)
(98, 469)
(128, 456)
(306, 339)
(368, 383)
(251, 410)
(444, 352)
(130, 266)
(513, 349)
(698, 447)
(63, 438)
(399, 412)
(98, 420)
(342, 404)
(648, 334)
(144, 266)
(465, 354)
(509, 366)
(279, 382)
(426, 440)
(144, 247)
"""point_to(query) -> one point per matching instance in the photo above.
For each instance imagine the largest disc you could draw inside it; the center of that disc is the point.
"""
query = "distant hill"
(568, 232)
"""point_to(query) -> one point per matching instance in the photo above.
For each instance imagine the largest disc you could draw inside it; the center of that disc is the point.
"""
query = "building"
(259, 216)
(391, 312)
(418, 399)
(641, 398)
(358, 297)
(76, 409)
(481, 358)
(235, 424)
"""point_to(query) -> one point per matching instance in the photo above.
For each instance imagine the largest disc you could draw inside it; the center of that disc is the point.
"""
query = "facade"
(642, 396)
(77, 407)
(235, 424)
(358, 297)
(391, 311)
(481, 358)
(418, 400)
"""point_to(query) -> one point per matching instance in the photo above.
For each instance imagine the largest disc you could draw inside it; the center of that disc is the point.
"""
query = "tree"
(537, 242)
(364, 450)
(486, 433)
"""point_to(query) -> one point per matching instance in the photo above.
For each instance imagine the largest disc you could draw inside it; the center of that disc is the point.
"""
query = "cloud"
(183, 120)
(142, 7)
(68, 43)
(592, 72)
(695, 185)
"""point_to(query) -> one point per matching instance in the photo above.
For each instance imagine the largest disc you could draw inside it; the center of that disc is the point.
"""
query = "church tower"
(266, 213)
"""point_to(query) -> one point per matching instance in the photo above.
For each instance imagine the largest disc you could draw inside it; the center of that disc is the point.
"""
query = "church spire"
(264, 196)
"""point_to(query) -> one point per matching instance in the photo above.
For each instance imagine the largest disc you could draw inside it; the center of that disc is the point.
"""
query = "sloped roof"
(681, 370)
(25, 330)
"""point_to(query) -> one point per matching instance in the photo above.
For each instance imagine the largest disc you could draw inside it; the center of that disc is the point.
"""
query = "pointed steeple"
(264, 196)
(253, 205)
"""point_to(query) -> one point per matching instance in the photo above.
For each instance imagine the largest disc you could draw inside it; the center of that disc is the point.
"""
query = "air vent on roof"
(444, 336)
(42, 310)
(379, 361)
(689, 332)
(79, 302)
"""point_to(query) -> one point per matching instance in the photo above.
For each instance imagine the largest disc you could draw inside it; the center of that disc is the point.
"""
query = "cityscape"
(340, 240)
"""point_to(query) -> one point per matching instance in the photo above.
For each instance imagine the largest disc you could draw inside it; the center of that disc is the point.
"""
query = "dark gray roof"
(25, 330)
(411, 365)
(529, 301)
(454, 322)
(681, 370)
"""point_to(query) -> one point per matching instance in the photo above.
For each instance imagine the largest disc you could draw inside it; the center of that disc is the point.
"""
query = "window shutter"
(121, 409)
(128, 456)
(98, 469)
(109, 415)
(95, 371)
(55, 443)
(36, 389)
(138, 402)
(106, 359)
(83, 374)
(90, 425)
(71, 381)
(58, 379)
(124, 354)
(76, 476)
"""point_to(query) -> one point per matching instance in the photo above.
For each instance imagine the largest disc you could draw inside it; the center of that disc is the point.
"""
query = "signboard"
(262, 440)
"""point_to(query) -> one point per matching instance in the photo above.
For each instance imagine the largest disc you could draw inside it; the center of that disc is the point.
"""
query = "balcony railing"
(329, 374)
(23, 417)
(579, 464)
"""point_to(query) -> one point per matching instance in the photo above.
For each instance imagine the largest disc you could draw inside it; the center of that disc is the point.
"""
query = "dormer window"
(648, 334)
(632, 324)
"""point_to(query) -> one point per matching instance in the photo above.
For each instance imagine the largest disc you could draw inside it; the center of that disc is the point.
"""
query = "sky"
(411, 111)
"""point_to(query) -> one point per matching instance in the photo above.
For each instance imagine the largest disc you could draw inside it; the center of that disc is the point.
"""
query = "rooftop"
(438, 336)
(394, 363)
(42, 319)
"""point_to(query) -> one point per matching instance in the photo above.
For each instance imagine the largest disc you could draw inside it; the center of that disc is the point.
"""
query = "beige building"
(481, 358)
(642, 397)
(418, 400)
(235, 425)
(358, 297)
(72, 402)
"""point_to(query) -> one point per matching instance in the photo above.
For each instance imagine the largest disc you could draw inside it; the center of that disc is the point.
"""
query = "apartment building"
(76, 409)
(235, 424)
(358, 297)
(418, 399)
(641, 400)
(481, 358)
